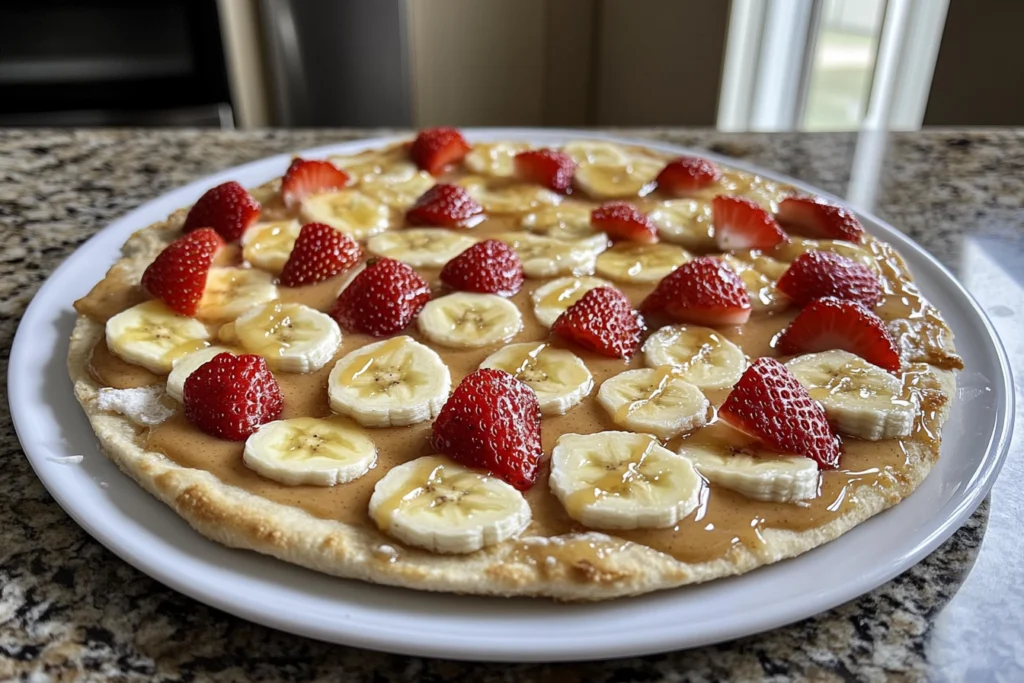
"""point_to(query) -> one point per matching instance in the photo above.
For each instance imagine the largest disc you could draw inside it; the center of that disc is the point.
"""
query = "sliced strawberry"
(742, 224)
(320, 253)
(177, 276)
(769, 403)
(492, 422)
(816, 274)
(704, 291)
(434, 149)
(381, 300)
(831, 323)
(603, 321)
(449, 206)
(684, 175)
(306, 177)
(547, 167)
(490, 267)
(227, 208)
(817, 217)
(623, 221)
(230, 396)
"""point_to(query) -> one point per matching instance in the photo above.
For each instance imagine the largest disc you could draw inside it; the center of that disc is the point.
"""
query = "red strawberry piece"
(449, 206)
(306, 177)
(434, 149)
(832, 323)
(547, 167)
(177, 276)
(704, 291)
(684, 175)
(819, 218)
(491, 267)
(320, 253)
(381, 300)
(623, 221)
(603, 321)
(492, 422)
(227, 208)
(230, 396)
(769, 403)
(822, 273)
(742, 224)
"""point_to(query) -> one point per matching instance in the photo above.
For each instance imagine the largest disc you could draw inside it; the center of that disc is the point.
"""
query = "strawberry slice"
(603, 321)
(685, 175)
(320, 253)
(831, 323)
(434, 149)
(227, 208)
(817, 274)
(306, 177)
(623, 221)
(704, 291)
(381, 300)
(177, 276)
(489, 267)
(492, 422)
(742, 224)
(818, 217)
(230, 396)
(770, 404)
(548, 167)
(449, 206)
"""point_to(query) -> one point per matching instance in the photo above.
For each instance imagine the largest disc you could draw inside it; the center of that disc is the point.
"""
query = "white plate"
(151, 537)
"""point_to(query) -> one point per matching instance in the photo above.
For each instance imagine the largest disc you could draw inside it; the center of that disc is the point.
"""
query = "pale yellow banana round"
(544, 257)
(153, 336)
(597, 152)
(350, 211)
(569, 220)
(467, 320)
(686, 222)
(368, 163)
(310, 451)
(640, 263)
(186, 365)
(635, 179)
(559, 377)
(420, 247)
(291, 337)
(399, 186)
(494, 159)
(267, 246)
(517, 198)
(796, 246)
(656, 401)
(552, 299)
(762, 290)
(230, 292)
(700, 355)
(759, 476)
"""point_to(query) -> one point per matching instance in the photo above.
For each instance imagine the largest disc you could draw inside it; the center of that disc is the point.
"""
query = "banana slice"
(230, 292)
(618, 480)
(357, 215)
(764, 295)
(465, 320)
(399, 186)
(640, 263)
(686, 222)
(292, 337)
(495, 159)
(657, 401)
(776, 478)
(544, 257)
(421, 247)
(796, 246)
(267, 246)
(186, 365)
(764, 192)
(860, 399)
(700, 355)
(558, 377)
(602, 181)
(517, 198)
(552, 299)
(392, 383)
(310, 451)
(569, 220)
(596, 152)
(441, 506)
(153, 336)
(368, 163)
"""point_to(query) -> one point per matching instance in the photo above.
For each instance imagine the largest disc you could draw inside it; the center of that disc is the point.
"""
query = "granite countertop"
(70, 609)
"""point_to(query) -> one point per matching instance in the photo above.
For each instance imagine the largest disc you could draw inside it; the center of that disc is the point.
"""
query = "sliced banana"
(368, 163)
(859, 398)
(517, 198)
(466, 320)
(421, 247)
(186, 365)
(399, 186)
(552, 299)
(494, 159)
(544, 257)
(700, 355)
(764, 295)
(619, 480)
(657, 401)
(596, 152)
(230, 292)
(776, 478)
(686, 222)
(153, 336)
(291, 337)
(436, 504)
(766, 193)
(602, 181)
(796, 246)
(391, 383)
(569, 220)
(310, 451)
(350, 211)
(558, 377)
(640, 263)
(267, 246)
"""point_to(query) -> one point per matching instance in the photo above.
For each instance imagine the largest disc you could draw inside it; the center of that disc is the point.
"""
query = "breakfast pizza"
(581, 372)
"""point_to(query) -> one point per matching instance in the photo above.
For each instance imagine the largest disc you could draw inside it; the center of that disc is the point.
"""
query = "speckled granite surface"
(71, 610)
